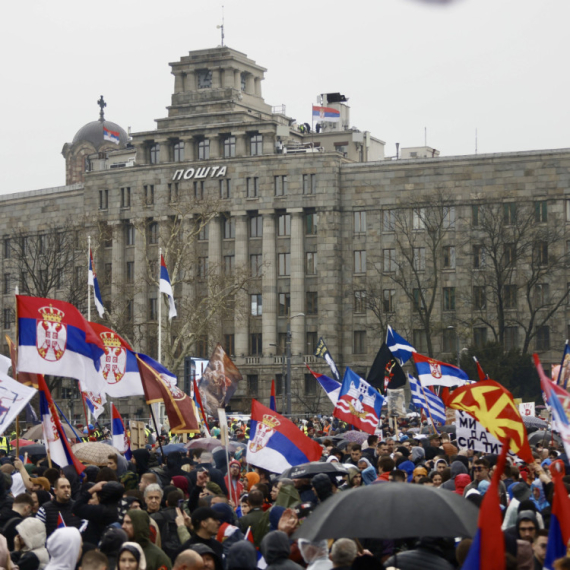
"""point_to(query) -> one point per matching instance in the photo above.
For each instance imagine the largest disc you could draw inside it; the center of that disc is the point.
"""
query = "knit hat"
(420, 471)
(43, 481)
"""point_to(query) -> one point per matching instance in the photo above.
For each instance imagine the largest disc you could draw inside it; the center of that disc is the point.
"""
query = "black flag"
(386, 372)
(323, 352)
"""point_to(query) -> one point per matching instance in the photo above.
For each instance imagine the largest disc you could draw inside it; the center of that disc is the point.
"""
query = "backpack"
(169, 540)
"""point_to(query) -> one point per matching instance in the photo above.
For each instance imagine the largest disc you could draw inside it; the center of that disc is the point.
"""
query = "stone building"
(317, 218)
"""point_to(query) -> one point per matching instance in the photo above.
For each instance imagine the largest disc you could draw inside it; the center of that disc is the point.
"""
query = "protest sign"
(472, 435)
(526, 409)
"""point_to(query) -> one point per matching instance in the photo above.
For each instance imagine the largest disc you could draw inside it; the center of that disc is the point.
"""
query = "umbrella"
(34, 449)
(543, 436)
(21, 442)
(171, 447)
(356, 436)
(94, 452)
(210, 443)
(306, 470)
(414, 430)
(534, 422)
(37, 432)
(406, 511)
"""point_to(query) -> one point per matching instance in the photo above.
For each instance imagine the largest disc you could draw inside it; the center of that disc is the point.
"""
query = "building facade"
(333, 240)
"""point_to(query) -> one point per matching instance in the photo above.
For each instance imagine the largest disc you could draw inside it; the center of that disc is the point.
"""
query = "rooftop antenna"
(222, 26)
(425, 136)
(475, 141)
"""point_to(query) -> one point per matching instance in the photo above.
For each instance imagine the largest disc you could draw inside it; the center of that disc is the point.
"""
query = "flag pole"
(159, 300)
(156, 428)
(15, 372)
(428, 408)
(88, 290)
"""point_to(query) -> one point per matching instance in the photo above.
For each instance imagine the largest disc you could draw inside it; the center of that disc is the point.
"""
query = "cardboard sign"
(527, 409)
(472, 435)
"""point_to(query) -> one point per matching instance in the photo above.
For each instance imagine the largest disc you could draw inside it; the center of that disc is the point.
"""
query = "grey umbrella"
(544, 437)
(307, 470)
(390, 511)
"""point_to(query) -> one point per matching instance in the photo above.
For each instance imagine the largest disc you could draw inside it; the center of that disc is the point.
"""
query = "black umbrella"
(391, 511)
(542, 436)
(307, 470)
(34, 449)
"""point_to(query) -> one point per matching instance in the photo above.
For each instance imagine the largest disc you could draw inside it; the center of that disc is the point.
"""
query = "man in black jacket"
(48, 512)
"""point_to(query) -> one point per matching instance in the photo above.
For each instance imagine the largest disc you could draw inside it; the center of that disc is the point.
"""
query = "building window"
(152, 309)
(543, 338)
(178, 151)
(7, 283)
(256, 145)
(173, 192)
(449, 217)
(449, 298)
(284, 225)
(480, 336)
(309, 183)
(510, 296)
(198, 189)
(449, 340)
(311, 223)
(204, 232)
(284, 268)
(360, 301)
(310, 385)
(229, 147)
(418, 219)
(229, 264)
(541, 294)
(256, 226)
(281, 347)
(229, 228)
(108, 272)
(256, 264)
(388, 300)
(312, 303)
(310, 263)
(510, 213)
(149, 194)
(449, 257)
(540, 253)
(479, 298)
(255, 348)
(511, 337)
(153, 233)
(475, 215)
(478, 257)
(130, 271)
(419, 304)
(509, 254)
(8, 248)
(389, 220)
(359, 222)
(225, 189)
(280, 185)
(155, 153)
(202, 267)
(284, 304)
(252, 187)
(42, 246)
(229, 344)
(389, 260)
(420, 340)
(311, 342)
(359, 344)
(256, 305)
(130, 311)
(540, 212)
(253, 383)
(204, 149)
(419, 259)
(126, 197)
(360, 261)
(7, 318)
(103, 199)
(130, 237)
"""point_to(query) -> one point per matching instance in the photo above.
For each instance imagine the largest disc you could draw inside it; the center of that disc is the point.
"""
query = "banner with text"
(472, 435)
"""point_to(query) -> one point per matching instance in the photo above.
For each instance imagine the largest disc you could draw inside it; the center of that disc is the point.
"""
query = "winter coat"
(242, 556)
(419, 558)
(48, 514)
(64, 547)
(33, 534)
(456, 468)
(155, 558)
(276, 550)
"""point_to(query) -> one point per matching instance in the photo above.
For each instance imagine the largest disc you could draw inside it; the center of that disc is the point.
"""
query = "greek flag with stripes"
(427, 400)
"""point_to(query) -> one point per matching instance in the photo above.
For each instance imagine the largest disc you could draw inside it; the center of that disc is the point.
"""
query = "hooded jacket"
(456, 468)
(142, 457)
(461, 481)
(205, 549)
(242, 556)
(34, 553)
(64, 547)
(276, 550)
(110, 544)
(155, 557)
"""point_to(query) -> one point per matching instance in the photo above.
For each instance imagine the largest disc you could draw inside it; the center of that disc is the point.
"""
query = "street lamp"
(451, 327)
(288, 353)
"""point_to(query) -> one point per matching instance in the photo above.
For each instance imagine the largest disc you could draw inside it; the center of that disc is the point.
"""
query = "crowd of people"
(194, 510)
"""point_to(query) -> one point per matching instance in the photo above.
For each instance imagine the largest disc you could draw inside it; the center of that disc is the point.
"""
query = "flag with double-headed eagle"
(359, 404)
(435, 373)
(276, 443)
(492, 405)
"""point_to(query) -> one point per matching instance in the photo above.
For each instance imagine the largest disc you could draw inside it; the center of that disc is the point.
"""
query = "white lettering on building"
(201, 172)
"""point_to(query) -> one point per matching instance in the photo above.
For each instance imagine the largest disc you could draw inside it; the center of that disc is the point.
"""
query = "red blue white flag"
(54, 338)
(435, 373)
(272, 402)
(559, 529)
(60, 521)
(166, 287)
(120, 439)
(93, 282)
(330, 386)
(326, 114)
(359, 404)
(276, 443)
(111, 136)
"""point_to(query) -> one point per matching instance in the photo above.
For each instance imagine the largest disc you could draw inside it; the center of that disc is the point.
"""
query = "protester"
(29, 552)
(64, 547)
(343, 553)
(276, 551)
(62, 504)
(21, 508)
(205, 526)
(110, 544)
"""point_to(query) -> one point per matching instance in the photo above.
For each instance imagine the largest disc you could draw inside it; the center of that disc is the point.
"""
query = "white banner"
(526, 409)
(13, 398)
(472, 435)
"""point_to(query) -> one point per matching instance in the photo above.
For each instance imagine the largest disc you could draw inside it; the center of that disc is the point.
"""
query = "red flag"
(177, 404)
(559, 531)
(272, 401)
(482, 375)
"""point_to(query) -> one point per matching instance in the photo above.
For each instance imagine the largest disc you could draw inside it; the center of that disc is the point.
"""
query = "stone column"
(216, 79)
(241, 143)
(228, 78)
(189, 145)
(237, 79)
(269, 283)
(141, 302)
(118, 259)
(164, 153)
(250, 84)
(215, 265)
(297, 281)
(241, 327)
(215, 151)
(178, 82)
(141, 153)
(257, 86)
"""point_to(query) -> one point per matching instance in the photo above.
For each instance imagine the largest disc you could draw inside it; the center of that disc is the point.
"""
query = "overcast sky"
(498, 66)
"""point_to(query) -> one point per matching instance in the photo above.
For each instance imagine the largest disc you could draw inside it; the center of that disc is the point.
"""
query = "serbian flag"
(92, 281)
(487, 551)
(60, 521)
(111, 136)
(330, 386)
(559, 531)
(54, 338)
(276, 443)
(327, 114)
(54, 436)
(160, 385)
(272, 402)
(359, 404)
(120, 439)
(166, 287)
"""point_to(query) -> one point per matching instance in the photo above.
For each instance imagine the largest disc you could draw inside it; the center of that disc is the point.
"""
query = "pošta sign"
(202, 172)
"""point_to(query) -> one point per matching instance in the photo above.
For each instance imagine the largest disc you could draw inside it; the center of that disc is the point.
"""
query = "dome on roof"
(93, 133)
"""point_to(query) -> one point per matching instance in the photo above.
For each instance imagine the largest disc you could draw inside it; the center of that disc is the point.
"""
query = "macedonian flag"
(492, 405)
